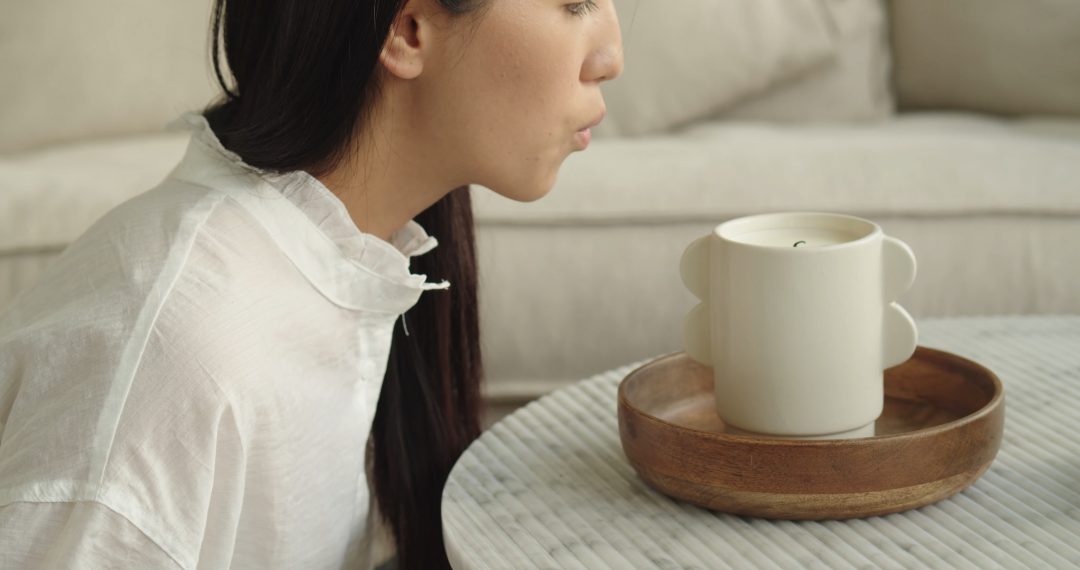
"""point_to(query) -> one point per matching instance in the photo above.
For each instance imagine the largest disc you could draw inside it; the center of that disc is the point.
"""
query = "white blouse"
(192, 383)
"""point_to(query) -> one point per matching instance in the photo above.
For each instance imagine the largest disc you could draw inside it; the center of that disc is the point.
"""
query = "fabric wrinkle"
(223, 290)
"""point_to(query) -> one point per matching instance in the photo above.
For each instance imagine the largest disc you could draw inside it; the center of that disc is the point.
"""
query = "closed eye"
(582, 9)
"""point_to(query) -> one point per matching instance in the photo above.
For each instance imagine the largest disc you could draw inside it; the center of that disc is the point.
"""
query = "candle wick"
(798, 242)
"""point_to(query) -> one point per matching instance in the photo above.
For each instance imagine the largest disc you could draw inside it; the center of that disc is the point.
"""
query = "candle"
(796, 237)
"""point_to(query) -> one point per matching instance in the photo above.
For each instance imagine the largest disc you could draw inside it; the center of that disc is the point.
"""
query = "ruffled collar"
(209, 163)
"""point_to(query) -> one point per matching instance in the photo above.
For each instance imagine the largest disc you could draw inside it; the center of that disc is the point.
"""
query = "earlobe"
(401, 54)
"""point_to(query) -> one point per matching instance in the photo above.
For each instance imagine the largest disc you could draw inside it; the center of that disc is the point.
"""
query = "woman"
(192, 383)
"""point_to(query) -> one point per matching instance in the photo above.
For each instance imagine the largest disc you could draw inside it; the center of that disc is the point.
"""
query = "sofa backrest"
(74, 70)
(1010, 57)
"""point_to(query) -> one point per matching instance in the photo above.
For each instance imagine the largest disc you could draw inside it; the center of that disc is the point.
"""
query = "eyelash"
(582, 9)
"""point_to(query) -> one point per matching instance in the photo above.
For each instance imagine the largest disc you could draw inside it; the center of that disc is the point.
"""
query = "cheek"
(548, 85)
(522, 108)
(541, 111)
(518, 114)
(530, 79)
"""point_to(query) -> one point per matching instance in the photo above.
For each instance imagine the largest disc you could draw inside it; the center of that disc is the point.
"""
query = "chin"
(527, 190)
(534, 196)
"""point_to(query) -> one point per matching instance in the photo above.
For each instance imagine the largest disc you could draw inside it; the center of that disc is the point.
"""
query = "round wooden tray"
(940, 430)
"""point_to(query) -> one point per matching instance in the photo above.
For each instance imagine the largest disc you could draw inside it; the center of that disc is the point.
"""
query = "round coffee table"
(549, 486)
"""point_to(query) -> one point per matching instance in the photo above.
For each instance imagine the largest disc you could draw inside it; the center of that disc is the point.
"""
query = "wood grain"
(940, 430)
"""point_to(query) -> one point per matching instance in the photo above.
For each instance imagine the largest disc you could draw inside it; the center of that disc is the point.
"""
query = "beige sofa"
(968, 149)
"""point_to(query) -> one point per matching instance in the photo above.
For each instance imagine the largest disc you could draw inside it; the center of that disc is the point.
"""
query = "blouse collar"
(344, 270)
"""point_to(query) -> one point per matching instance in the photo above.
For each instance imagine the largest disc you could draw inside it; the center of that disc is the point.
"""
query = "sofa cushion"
(998, 56)
(685, 60)
(854, 86)
(559, 302)
(622, 212)
(49, 197)
(587, 277)
(919, 163)
(73, 69)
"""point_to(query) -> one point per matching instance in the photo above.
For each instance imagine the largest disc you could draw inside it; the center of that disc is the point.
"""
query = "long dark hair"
(305, 79)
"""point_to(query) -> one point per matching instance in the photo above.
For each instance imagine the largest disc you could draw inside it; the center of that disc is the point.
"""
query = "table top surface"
(549, 486)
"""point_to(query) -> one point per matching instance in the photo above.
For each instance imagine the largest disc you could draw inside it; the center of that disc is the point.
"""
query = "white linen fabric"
(192, 382)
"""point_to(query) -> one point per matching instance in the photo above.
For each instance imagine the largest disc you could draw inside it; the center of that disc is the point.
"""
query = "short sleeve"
(83, 534)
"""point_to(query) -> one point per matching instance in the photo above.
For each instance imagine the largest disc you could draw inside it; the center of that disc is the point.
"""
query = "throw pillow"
(855, 86)
(688, 59)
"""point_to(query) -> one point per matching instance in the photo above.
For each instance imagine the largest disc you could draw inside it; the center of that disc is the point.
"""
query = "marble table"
(548, 486)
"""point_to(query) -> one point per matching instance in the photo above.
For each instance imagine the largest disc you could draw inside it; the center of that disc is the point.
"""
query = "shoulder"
(135, 253)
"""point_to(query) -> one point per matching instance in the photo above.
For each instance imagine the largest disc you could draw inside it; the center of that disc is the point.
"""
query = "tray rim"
(989, 408)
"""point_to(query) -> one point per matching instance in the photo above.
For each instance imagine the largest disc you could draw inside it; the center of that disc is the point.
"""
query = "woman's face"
(516, 87)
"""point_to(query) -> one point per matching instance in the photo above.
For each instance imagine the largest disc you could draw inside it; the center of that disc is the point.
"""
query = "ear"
(403, 53)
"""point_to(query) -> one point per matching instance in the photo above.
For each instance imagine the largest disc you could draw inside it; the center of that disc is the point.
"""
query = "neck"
(393, 173)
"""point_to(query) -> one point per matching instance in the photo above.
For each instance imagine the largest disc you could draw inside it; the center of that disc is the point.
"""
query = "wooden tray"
(940, 430)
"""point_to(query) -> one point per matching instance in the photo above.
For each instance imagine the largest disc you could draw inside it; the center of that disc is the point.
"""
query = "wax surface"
(788, 237)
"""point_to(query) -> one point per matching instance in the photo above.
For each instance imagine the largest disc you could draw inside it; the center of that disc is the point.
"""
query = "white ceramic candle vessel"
(798, 320)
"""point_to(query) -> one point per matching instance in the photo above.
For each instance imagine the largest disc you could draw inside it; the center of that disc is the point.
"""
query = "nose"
(605, 61)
